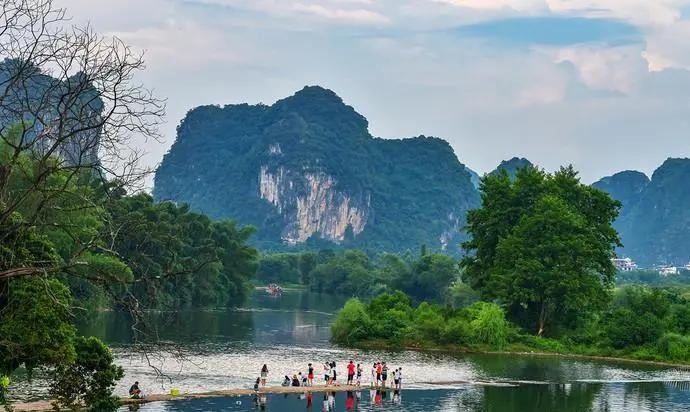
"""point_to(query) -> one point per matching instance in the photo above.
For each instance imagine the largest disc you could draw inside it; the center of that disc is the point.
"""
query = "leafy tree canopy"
(541, 245)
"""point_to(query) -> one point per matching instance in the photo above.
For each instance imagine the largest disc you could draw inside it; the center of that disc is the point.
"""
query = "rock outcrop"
(307, 170)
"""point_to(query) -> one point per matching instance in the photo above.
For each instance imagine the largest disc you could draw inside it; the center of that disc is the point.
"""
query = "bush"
(90, 380)
(489, 325)
(457, 331)
(625, 328)
(352, 323)
(674, 347)
(428, 322)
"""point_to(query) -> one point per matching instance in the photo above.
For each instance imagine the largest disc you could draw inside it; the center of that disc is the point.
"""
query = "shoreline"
(465, 350)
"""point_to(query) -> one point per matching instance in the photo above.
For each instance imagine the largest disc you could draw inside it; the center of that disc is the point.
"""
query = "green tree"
(352, 323)
(541, 245)
(488, 324)
(430, 277)
(89, 380)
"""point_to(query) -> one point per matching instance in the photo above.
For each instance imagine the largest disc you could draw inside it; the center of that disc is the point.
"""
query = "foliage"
(35, 326)
(674, 347)
(89, 380)
(541, 245)
(354, 273)
(489, 324)
(392, 318)
(429, 277)
(180, 258)
(352, 323)
(317, 133)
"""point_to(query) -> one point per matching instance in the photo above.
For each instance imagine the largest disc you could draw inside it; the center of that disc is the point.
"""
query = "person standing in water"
(373, 375)
(264, 375)
(359, 374)
(350, 372)
(310, 375)
(384, 374)
(327, 373)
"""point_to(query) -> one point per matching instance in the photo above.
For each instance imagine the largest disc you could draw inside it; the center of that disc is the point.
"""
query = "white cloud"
(605, 68)
(529, 6)
(343, 15)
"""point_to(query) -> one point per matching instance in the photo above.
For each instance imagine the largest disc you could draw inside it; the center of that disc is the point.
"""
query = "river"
(222, 349)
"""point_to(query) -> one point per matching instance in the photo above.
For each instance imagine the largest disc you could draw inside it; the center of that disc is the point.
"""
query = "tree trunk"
(542, 319)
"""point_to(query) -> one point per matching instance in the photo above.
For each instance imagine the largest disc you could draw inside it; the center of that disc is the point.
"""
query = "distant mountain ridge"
(306, 170)
(654, 222)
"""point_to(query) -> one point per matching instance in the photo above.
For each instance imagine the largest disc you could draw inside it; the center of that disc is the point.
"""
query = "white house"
(624, 265)
(667, 270)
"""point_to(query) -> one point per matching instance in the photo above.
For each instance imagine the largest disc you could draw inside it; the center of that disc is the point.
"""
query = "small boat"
(274, 290)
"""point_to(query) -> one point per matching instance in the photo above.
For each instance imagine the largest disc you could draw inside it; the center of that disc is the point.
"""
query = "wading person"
(350, 372)
(384, 374)
(327, 373)
(334, 376)
(310, 375)
(359, 374)
(264, 375)
(373, 375)
(379, 371)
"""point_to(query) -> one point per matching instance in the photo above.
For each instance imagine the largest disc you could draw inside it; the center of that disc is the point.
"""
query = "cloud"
(355, 12)
(530, 6)
(617, 69)
(555, 31)
(342, 15)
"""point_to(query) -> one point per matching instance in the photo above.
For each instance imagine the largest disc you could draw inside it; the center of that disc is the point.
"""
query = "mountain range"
(306, 172)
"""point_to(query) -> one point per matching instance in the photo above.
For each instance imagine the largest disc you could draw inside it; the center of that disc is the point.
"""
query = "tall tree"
(541, 245)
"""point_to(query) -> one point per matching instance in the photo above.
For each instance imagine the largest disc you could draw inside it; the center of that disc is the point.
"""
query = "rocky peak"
(511, 166)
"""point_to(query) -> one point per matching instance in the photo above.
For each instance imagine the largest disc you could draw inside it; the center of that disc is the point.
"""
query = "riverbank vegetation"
(640, 323)
(425, 277)
(539, 258)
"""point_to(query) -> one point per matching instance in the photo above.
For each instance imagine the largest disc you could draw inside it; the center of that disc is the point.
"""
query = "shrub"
(624, 328)
(674, 346)
(90, 380)
(352, 323)
(457, 331)
(489, 325)
(428, 322)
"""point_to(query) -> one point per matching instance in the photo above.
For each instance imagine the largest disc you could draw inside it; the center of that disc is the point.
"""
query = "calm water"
(223, 349)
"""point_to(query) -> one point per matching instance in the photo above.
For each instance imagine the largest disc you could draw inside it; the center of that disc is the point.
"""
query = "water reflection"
(526, 397)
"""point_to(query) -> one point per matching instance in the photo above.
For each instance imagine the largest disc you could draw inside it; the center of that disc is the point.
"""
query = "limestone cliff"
(311, 205)
(305, 170)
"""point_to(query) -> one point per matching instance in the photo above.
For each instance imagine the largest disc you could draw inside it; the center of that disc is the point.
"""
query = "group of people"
(380, 376)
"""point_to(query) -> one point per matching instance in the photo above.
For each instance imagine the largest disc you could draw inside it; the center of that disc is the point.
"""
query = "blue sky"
(600, 84)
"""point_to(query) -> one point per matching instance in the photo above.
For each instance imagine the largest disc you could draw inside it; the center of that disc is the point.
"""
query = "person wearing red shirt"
(350, 372)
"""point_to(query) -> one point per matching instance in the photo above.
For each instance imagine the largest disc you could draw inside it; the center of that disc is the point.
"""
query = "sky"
(600, 84)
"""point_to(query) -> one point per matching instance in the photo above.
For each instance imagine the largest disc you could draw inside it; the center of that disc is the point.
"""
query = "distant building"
(687, 267)
(624, 265)
(667, 270)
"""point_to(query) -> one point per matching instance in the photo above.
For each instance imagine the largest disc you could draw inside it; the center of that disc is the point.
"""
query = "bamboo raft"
(45, 406)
